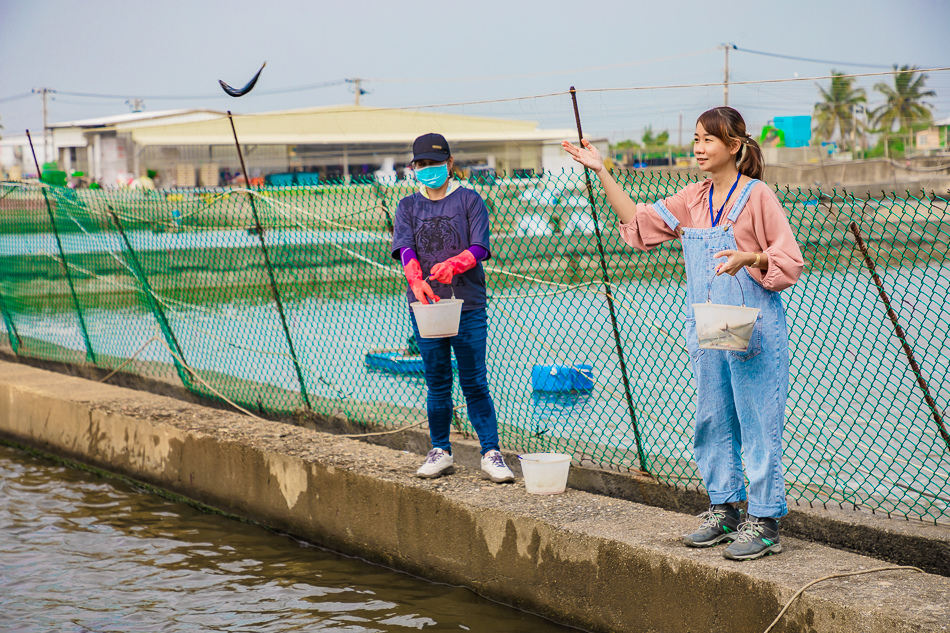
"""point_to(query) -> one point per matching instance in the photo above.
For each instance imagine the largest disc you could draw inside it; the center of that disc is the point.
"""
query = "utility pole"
(680, 140)
(44, 92)
(725, 74)
(357, 88)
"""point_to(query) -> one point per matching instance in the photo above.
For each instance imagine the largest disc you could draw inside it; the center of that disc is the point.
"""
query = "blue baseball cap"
(430, 147)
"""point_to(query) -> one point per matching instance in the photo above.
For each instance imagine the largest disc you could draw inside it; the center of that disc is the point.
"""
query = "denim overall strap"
(743, 198)
(740, 396)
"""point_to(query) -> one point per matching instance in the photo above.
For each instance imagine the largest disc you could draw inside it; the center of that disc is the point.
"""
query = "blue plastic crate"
(308, 178)
(560, 378)
(279, 180)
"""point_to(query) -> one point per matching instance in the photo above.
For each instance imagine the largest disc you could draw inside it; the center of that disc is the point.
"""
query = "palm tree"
(835, 111)
(904, 104)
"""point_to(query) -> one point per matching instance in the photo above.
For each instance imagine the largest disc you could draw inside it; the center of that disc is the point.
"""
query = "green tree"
(648, 139)
(904, 107)
(835, 111)
(653, 140)
(624, 145)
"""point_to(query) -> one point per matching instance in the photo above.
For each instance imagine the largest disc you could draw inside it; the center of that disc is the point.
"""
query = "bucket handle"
(451, 287)
(709, 289)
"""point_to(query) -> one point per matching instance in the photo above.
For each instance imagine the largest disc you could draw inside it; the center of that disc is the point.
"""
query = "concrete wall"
(582, 559)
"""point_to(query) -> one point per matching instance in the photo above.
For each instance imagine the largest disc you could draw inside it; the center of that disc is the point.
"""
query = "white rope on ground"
(203, 382)
(830, 576)
(129, 359)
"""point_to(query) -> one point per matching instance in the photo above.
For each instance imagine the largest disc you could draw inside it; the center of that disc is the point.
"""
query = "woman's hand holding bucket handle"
(737, 260)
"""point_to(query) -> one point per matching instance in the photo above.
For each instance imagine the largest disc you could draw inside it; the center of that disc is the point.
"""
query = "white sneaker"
(495, 468)
(437, 463)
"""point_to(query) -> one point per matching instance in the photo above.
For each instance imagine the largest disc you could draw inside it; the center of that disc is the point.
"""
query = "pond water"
(79, 553)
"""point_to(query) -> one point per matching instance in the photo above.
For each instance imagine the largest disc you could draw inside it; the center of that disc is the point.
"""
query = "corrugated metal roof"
(142, 118)
(338, 125)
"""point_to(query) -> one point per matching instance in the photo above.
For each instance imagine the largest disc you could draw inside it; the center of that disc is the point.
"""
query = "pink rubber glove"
(444, 271)
(420, 288)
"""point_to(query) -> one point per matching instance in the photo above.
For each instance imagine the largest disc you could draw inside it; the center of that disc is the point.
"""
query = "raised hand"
(587, 155)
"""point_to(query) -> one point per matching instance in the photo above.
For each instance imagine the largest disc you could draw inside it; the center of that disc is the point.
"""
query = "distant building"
(91, 146)
(933, 138)
(196, 147)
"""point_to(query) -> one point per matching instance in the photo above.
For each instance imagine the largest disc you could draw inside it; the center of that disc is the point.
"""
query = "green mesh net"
(286, 300)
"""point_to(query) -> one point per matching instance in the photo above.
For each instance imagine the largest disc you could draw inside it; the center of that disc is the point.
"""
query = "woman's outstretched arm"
(588, 156)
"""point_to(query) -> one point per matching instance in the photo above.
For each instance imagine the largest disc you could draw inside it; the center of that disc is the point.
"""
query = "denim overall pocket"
(755, 342)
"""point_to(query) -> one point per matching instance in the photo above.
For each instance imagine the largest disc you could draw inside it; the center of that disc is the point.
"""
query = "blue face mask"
(434, 176)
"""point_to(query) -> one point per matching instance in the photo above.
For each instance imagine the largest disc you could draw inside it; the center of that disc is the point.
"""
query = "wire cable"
(550, 72)
(22, 95)
(807, 59)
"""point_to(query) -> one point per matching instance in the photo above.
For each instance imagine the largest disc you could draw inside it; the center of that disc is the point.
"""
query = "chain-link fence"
(286, 299)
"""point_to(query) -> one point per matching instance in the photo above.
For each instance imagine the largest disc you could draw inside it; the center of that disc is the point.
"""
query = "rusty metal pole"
(921, 382)
(608, 292)
(270, 270)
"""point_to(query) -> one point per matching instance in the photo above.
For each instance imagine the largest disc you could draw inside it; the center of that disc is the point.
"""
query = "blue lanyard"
(716, 220)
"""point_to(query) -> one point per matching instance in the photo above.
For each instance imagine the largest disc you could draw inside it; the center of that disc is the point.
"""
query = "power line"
(93, 95)
(550, 72)
(807, 59)
(762, 81)
(22, 95)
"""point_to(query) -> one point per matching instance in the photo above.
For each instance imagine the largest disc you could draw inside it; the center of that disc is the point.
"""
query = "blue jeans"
(470, 348)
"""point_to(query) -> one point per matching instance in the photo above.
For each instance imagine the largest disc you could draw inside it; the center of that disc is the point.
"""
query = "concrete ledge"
(901, 542)
(582, 559)
(898, 541)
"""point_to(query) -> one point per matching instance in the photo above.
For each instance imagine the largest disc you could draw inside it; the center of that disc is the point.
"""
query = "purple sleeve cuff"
(480, 252)
(406, 255)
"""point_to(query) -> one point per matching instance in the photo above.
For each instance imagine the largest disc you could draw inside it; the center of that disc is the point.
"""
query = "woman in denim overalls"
(729, 223)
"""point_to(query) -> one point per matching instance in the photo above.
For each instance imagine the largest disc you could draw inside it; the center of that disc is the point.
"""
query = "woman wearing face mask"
(441, 235)
(729, 223)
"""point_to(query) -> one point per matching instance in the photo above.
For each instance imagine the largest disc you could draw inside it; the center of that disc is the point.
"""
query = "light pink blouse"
(762, 227)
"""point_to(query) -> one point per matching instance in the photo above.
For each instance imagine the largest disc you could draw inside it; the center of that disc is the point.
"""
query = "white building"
(195, 147)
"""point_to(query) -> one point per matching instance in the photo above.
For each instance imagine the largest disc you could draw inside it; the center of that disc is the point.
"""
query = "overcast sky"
(412, 53)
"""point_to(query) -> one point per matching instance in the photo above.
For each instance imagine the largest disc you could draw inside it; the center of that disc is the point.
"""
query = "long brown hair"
(728, 126)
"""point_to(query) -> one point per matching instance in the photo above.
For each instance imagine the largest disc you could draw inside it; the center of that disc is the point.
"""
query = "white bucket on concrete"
(439, 319)
(545, 473)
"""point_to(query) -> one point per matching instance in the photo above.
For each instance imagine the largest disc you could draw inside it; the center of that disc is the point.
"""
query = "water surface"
(79, 553)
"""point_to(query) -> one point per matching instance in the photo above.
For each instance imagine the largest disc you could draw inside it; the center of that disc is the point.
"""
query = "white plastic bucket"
(439, 319)
(725, 327)
(545, 473)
